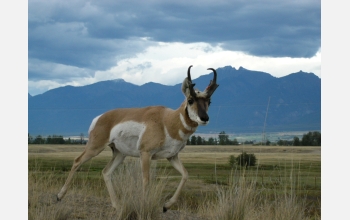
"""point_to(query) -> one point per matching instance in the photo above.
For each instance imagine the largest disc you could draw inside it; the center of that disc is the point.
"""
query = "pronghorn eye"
(190, 101)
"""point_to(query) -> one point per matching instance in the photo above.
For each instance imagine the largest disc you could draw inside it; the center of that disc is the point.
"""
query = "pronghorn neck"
(178, 124)
(183, 110)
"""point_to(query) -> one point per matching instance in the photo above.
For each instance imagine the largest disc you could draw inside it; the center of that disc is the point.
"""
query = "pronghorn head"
(197, 102)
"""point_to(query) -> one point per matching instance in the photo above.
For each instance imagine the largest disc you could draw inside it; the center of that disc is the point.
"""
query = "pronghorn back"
(132, 130)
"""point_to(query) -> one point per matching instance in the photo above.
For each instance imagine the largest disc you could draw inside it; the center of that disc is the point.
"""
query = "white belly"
(126, 137)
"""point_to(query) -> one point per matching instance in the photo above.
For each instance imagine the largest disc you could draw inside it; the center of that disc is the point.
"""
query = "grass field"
(286, 183)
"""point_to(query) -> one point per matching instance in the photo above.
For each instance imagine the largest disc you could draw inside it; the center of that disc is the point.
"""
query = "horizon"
(123, 80)
(274, 136)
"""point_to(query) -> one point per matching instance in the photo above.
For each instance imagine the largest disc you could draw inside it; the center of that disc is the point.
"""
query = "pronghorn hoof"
(165, 209)
(58, 199)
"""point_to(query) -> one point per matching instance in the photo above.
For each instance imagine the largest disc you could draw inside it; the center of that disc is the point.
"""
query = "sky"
(82, 42)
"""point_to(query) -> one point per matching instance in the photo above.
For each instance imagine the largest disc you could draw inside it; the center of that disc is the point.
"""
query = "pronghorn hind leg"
(176, 163)
(117, 159)
(87, 154)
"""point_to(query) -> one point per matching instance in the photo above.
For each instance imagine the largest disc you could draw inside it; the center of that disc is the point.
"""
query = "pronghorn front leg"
(176, 163)
(145, 166)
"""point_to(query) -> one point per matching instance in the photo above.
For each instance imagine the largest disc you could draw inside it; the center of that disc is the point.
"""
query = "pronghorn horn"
(212, 86)
(190, 84)
(189, 74)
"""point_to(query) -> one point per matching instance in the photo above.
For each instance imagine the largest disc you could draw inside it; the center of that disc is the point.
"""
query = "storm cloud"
(94, 36)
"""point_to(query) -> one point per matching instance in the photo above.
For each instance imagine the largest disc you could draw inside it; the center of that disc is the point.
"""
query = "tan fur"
(154, 118)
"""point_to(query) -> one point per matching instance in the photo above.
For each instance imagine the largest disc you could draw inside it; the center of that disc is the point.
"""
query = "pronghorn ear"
(188, 88)
(185, 87)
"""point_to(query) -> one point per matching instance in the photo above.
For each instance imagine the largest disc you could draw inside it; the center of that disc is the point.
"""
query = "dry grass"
(88, 199)
(244, 200)
(245, 196)
(133, 203)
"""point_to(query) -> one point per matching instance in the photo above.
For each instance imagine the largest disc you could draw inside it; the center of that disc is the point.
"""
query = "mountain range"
(246, 101)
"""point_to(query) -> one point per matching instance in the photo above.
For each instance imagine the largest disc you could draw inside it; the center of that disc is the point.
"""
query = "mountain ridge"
(238, 105)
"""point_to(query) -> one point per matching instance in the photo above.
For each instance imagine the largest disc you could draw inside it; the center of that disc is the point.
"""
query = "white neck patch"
(183, 136)
(186, 126)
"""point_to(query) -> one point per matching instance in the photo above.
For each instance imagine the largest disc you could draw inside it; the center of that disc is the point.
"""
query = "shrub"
(232, 161)
(246, 160)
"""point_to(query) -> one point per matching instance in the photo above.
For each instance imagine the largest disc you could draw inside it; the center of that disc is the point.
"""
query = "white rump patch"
(93, 123)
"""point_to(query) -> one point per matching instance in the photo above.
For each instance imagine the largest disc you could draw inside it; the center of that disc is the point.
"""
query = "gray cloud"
(40, 70)
(141, 67)
(95, 35)
(70, 44)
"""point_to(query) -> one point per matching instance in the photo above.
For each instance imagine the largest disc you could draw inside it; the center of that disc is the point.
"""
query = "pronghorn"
(151, 133)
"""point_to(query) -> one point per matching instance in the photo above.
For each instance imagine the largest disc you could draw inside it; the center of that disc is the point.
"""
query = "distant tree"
(49, 140)
(204, 142)
(39, 140)
(223, 138)
(55, 139)
(296, 141)
(199, 140)
(81, 138)
(311, 139)
(235, 142)
(306, 139)
(284, 143)
(211, 141)
(193, 140)
(59, 139)
(316, 138)
(248, 142)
